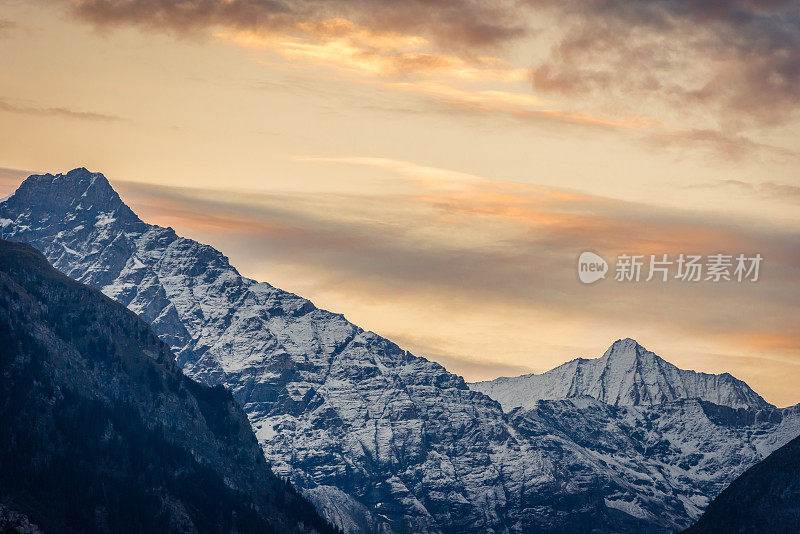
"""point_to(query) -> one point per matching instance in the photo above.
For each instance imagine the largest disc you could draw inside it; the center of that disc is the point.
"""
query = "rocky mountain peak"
(626, 375)
(628, 355)
(624, 347)
(70, 195)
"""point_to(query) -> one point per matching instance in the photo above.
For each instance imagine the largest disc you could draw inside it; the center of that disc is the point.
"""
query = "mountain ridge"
(627, 374)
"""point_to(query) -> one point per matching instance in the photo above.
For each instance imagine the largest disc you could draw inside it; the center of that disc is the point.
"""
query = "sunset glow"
(435, 177)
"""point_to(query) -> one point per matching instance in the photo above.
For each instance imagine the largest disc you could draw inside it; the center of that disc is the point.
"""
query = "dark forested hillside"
(101, 432)
(766, 498)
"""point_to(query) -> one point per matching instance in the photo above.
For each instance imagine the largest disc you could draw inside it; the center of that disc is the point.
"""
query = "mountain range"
(381, 440)
(101, 432)
(626, 375)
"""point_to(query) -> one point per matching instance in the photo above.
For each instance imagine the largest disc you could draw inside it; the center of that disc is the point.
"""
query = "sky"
(433, 169)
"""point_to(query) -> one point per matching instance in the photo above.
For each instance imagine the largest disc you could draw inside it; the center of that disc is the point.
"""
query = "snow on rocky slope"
(686, 450)
(766, 498)
(626, 375)
(378, 439)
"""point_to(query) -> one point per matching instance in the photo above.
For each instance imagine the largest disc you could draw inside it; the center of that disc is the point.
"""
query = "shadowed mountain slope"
(766, 498)
(101, 432)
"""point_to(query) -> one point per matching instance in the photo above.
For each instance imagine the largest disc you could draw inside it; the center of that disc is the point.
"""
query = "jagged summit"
(626, 375)
(70, 216)
(625, 346)
(62, 190)
(77, 194)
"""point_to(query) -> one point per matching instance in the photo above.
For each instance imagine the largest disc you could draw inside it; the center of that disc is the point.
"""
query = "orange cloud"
(550, 213)
(156, 207)
(505, 99)
(456, 81)
(768, 340)
(342, 44)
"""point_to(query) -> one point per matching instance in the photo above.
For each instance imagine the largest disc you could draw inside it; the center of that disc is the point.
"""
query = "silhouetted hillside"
(101, 432)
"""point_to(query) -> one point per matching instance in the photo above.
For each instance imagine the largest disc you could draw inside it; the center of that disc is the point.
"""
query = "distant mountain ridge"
(378, 439)
(626, 375)
(101, 432)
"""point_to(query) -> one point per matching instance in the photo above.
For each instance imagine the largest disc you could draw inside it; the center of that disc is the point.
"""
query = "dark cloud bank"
(748, 50)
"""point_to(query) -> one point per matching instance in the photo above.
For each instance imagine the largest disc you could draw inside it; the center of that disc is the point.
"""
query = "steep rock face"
(101, 432)
(626, 375)
(677, 455)
(766, 498)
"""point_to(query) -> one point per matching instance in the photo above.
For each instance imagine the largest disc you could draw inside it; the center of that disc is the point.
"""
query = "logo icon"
(591, 267)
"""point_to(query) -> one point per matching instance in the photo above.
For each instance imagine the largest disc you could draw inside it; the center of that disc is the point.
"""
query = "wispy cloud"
(463, 25)
(684, 76)
(343, 44)
(506, 246)
(431, 177)
(772, 190)
(724, 142)
(59, 112)
(736, 59)
(728, 58)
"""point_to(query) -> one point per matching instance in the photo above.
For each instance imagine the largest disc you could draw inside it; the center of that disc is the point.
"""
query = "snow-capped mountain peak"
(79, 189)
(626, 375)
(626, 348)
